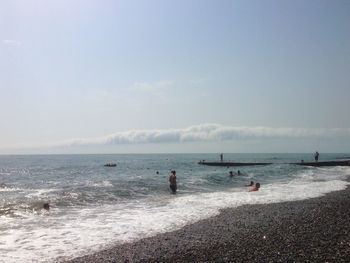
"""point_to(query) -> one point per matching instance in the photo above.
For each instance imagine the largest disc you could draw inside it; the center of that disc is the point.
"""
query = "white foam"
(103, 184)
(48, 236)
(9, 189)
(40, 192)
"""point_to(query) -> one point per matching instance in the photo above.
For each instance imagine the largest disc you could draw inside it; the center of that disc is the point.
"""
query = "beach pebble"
(313, 230)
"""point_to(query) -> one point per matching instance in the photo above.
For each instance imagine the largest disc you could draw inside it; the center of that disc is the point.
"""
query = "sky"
(167, 76)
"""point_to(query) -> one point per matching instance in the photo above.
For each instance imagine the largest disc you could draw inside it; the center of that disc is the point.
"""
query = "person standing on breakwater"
(172, 180)
(316, 156)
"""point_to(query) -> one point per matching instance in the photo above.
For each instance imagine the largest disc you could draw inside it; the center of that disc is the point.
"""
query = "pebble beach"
(312, 230)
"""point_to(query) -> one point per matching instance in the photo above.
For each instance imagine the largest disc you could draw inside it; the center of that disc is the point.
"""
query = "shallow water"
(93, 206)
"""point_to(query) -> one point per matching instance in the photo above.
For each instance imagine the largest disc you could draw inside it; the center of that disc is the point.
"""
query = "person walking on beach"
(172, 180)
(316, 156)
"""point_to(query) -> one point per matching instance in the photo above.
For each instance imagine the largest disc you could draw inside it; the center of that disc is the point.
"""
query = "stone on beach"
(313, 230)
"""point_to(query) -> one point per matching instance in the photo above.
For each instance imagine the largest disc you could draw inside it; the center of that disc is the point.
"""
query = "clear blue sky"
(73, 70)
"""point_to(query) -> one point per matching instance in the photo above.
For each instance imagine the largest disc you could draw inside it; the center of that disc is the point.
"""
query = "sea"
(93, 206)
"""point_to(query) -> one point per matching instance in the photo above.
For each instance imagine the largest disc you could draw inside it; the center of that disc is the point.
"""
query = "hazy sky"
(174, 76)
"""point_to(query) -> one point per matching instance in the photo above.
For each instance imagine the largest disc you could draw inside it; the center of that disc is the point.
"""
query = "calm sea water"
(93, 206)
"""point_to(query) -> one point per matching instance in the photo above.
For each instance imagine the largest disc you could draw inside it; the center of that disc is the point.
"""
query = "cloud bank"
(208, 133)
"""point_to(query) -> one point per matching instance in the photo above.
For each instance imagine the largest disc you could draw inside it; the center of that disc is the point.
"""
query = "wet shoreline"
(313, 230)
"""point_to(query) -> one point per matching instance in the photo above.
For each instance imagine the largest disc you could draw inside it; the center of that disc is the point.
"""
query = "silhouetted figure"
(222, 157)
(238, 172)
(231, 174)
(316, 156)
(172, 180)
(46, 206)
(157, 172)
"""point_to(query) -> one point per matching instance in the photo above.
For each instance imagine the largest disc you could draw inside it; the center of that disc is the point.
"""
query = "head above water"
(46, 206)
(257, 185)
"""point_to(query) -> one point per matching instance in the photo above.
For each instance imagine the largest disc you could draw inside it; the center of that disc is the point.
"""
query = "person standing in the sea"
(172, 180)
(316, 156)
(222, 157)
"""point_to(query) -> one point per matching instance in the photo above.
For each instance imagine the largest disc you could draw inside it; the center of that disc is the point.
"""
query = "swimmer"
(251, 184)
(46, 206)
(255, 188)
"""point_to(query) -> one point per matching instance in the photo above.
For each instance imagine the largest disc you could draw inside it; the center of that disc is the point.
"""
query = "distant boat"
(226, 164)
(110, 165)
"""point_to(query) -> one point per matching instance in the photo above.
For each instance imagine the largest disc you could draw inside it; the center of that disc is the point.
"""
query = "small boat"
(110, 165)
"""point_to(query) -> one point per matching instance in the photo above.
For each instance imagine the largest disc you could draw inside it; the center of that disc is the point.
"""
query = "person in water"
(251, 184)
(172, 180)
(233, 174)
(255, 188)
(46, 206)
(316, 156)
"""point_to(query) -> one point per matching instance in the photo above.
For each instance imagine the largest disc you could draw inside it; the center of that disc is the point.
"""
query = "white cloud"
(12, 43)
(209, 132)
(198, 133)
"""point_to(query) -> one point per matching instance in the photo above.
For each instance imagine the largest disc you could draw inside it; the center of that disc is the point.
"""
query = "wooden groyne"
(227, 164)
(315, 164)
(325, 163)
